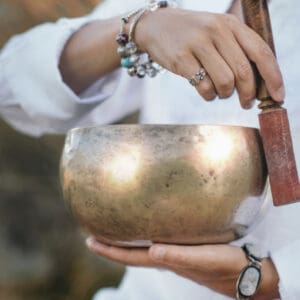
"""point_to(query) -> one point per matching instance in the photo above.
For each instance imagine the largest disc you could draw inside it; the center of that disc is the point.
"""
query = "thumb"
(181, 256)
(207, 258)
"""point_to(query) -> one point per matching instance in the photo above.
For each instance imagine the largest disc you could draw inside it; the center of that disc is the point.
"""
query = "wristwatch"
(250, 277)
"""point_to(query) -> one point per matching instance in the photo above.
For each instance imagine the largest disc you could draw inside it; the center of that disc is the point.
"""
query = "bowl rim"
(78, 129)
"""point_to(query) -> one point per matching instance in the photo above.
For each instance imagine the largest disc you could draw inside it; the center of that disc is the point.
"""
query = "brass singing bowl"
(132, 185)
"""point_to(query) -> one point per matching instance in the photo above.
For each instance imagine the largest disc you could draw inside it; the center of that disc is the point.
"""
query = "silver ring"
(199, 76)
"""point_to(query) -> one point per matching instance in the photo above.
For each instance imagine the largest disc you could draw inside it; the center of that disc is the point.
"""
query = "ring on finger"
(198, 77)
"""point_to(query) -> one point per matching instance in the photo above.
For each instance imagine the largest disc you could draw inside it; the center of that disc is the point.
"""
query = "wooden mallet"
(274, 123)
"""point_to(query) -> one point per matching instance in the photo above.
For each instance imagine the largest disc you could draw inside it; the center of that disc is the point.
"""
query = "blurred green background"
(42, 251)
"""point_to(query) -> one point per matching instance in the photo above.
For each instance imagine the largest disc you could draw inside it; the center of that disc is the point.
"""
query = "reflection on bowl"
(131, 185)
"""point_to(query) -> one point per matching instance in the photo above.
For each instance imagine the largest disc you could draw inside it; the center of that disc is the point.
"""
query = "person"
(58, 76)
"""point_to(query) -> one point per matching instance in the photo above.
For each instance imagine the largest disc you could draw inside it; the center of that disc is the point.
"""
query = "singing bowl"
(132, 185)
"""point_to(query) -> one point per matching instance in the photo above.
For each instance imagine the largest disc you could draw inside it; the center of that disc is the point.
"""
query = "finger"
(241, 68)
(206, 88)
(216, 259)
(188, 257)
(127, 256)
(187, 68)
(261, 54)
(218, 70)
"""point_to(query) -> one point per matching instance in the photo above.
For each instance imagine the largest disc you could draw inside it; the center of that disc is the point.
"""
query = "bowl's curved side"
(133, 184)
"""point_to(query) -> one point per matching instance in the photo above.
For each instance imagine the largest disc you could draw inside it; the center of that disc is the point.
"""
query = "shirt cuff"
(287, 264)
(102, 89)
(38, 86)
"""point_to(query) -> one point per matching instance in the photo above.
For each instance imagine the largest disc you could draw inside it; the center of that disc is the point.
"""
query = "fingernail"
(158, 253)
(212, 98)
(90, 242)
(249, 104)
(280, 94)
(94, 245)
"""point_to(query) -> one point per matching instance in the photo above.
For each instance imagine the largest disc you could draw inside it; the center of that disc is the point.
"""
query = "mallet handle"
(256, 15)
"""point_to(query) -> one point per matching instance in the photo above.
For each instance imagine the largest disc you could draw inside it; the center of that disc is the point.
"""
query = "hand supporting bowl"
(131, 185)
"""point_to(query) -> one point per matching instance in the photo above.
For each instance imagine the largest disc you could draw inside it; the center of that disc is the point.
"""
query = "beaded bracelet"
(128, 51)
(153, 5)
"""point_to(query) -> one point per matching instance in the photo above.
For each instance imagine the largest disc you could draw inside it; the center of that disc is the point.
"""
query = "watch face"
(249, 281)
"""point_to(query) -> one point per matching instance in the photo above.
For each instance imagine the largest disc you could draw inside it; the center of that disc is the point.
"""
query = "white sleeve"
(287, 263)
(33, 97)
(287, 257)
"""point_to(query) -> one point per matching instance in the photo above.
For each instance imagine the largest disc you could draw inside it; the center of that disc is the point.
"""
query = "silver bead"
(131, 48)
(151, 72)
(173, 3)
(122, 51)
(153, 5)
(134, 58)
(131, 71)
(141, 71)
(148, 65)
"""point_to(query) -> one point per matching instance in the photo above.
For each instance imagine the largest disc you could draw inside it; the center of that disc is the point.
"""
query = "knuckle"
(207, 91)
(181, 55)
(203, 47)
(278, 85)
(230, 19)
(265, 51)
(226, 86)
(199, 36)
(274, 81)
(214, 23)
(178, 59)
(247, 97)
(277, 81)
(206, 88)
(244, 71)
(175, 67)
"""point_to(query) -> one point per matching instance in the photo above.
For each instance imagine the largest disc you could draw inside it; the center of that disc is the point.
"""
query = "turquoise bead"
(126, 63)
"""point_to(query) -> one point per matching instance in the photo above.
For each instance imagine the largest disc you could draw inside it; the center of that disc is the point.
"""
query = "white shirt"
(34, 100)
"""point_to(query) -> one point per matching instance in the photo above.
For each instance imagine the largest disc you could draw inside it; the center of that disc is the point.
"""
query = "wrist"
(269, 284)
(146, 29)
(142, 31)
(131, 47)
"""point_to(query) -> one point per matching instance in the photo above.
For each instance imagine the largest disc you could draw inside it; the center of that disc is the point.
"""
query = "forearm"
(90, 53)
